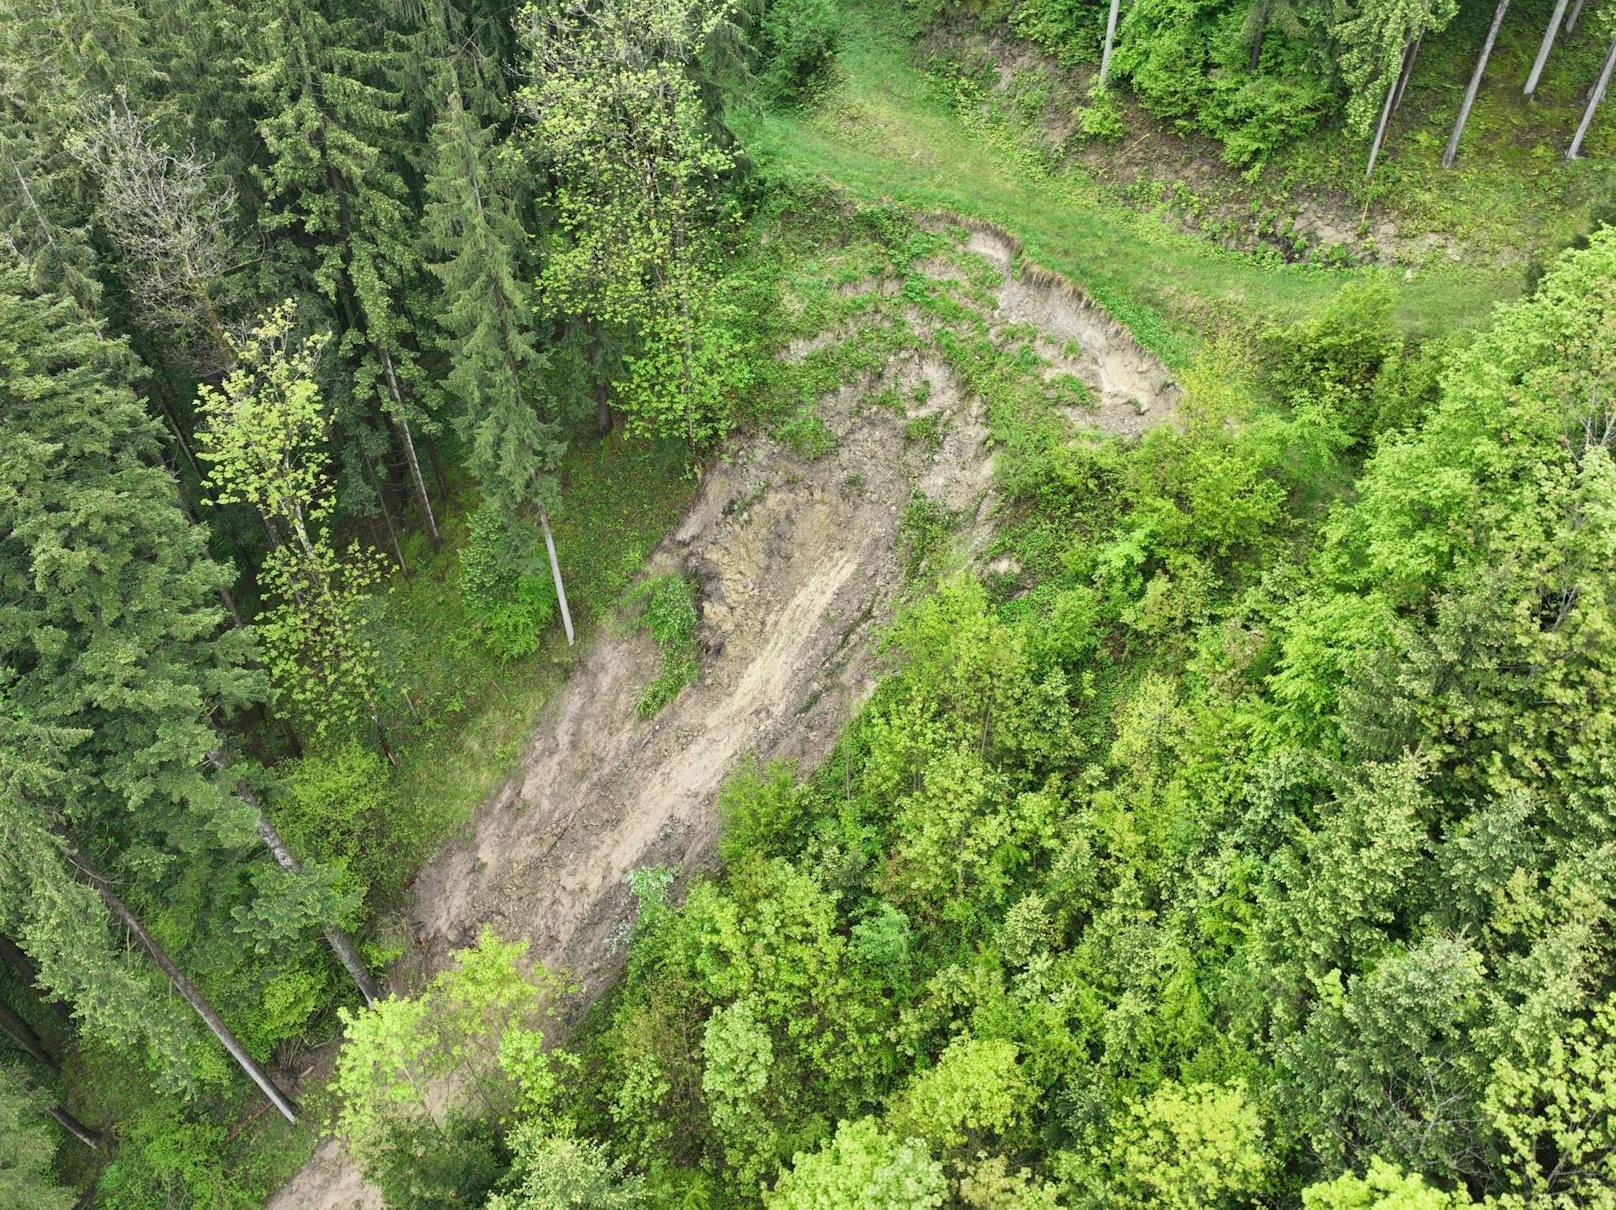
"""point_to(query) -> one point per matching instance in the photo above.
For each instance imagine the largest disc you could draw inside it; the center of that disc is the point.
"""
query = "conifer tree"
(326, 86)
(27, 1150)
(109, 623)
(515, 447)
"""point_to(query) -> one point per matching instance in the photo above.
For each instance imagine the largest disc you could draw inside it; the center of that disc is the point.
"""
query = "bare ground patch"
(799, 563)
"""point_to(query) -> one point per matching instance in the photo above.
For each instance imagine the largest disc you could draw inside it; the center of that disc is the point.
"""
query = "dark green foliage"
(511, 608)
(797, 40)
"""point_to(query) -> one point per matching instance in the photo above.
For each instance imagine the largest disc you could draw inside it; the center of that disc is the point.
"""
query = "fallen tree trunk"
(198, 1002)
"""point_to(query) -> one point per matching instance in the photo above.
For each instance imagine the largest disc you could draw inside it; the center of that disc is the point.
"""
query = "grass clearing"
(883, 133)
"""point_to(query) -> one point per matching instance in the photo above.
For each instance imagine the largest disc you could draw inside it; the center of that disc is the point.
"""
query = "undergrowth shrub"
(510, 608)
(799, 40)
(665, 608)
(1335, 356)
(761, 810)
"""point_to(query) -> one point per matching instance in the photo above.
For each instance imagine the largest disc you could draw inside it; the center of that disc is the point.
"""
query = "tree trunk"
(387, 513)
(1392, 96)
(1571, 17)
(1548, 44)
(22, 1033)
(437, 469)
(90, 1138)
(603, 407)
(1110, 37)
(1256, 48)
(1594, 98)
(1406, 74)
(555, 572)
(1452, 152)
(194, 998)
(341, 944)
(409, 451)
(421, 498)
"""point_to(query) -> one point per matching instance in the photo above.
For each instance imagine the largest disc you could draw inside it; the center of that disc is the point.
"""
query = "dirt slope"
(799, 563)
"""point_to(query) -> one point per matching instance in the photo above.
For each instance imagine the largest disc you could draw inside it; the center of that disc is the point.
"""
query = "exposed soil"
(799, 565)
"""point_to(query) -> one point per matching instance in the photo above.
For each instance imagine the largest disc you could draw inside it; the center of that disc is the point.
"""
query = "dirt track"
(799, 563)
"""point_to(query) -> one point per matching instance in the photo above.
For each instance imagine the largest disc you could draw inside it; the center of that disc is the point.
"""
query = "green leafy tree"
(1189, 1148)
(975, 1092)
(1553, 1117)
(861, 1167)
(614, 109)
(1381, 1187)
(432, 1076)
(264, 443)
(553, 1171)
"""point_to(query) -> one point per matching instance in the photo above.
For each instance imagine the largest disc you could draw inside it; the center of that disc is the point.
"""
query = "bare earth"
(799, 564)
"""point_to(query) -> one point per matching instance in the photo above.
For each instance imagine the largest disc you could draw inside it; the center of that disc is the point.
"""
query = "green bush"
(799, 41)
(1336, 356)
(762, 811)
(507, 591)
(335, 810)
(666, 606)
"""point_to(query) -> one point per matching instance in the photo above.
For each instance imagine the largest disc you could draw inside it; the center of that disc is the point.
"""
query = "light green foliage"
(264, 443)
(613, 108)
(1382, 1187)
(1335, 356)
(862, 1167)
(414, 1072)
(991, 1185)
(1372, 40)
(974, 1093)
(762, 810)
(27, 1149)
(1559, 1106)
(1188, 1148)
(736, 1056)
(554, 1171)
(335, 807)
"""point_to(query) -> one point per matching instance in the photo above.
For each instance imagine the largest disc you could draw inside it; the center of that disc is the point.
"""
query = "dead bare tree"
(1110, 37)
(170, 216)
(1549, 36)
(1394, 97)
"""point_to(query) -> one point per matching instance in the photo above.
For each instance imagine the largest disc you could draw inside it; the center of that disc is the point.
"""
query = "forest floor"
(800, 559)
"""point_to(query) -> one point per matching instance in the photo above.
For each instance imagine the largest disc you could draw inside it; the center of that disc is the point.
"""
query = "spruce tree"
(115, 658)
(515, 447)
(332, 111)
